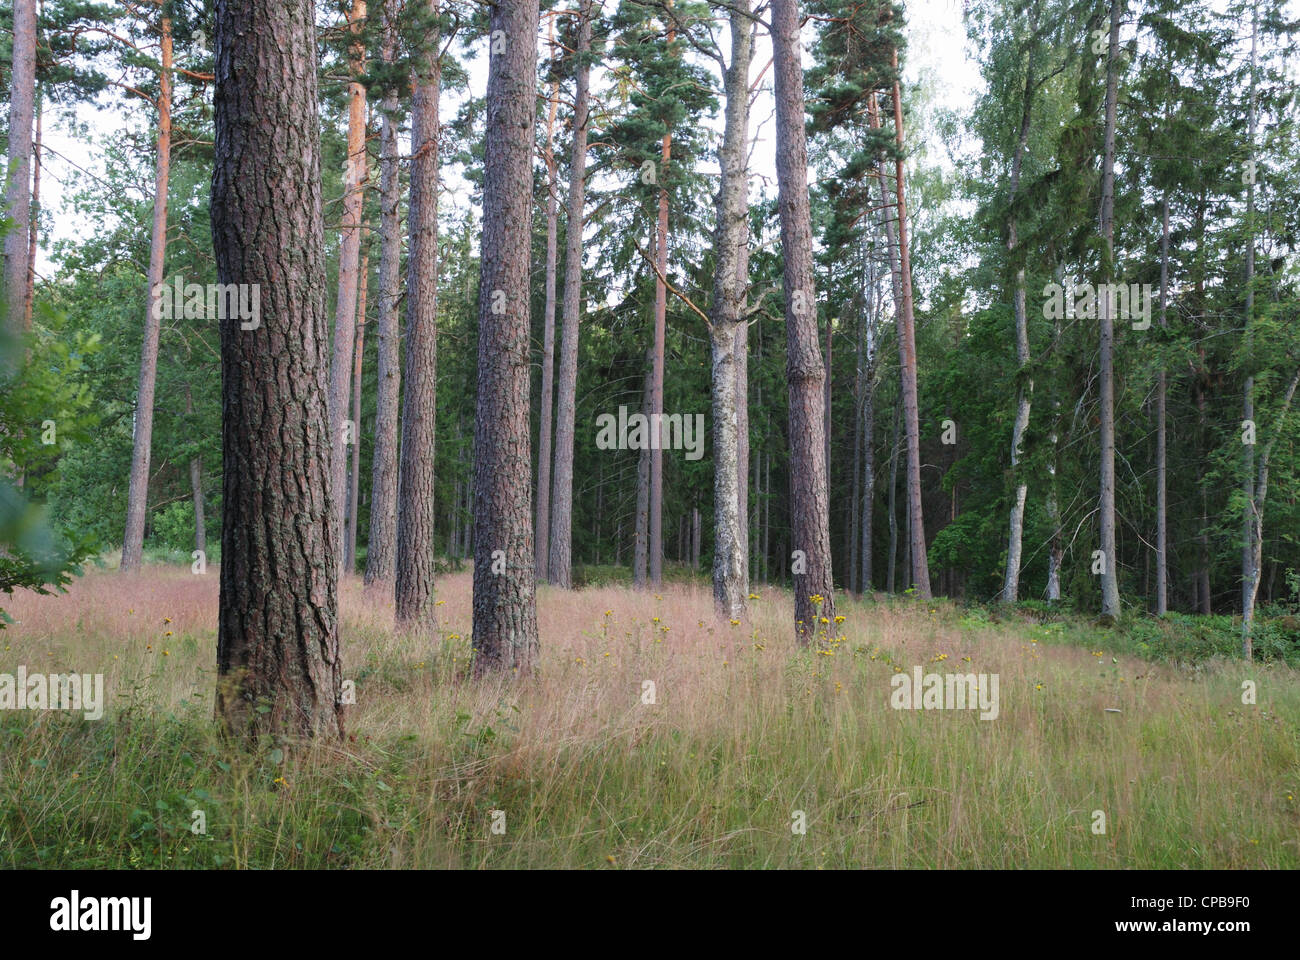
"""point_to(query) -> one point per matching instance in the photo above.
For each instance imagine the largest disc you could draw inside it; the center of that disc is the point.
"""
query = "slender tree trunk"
(1025, 389)
(1251, 525)
(543, 524)
(869, 430)
(561, 573)
(1110, 572)
(196, 489)
(641, 547)
(354, 484)
(657, 396)
(29, 294)
(18, 195)
(893, 500)
(809, 504)
(416, 516)
(907, 352)
(138, 490)
(381, 546)
(726, 334)
(1162, 496)
(505, 607)
(277, 634)
(345, 315)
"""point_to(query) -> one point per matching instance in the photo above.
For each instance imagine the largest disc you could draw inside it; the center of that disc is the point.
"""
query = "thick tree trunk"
(138, 491)
(278, 659)
(560, 562)
(542, 527)
(726, 330)
(416, 516)
(1110, 572)
(345, 315)
(382, 544)
(354, 475)
(809, 505)
(505, 608)
(18, 195)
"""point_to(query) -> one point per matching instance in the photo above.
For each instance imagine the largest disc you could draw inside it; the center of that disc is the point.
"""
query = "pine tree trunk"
(726, 335)
(29, 293)
(893, 501)
(345, 315)
(809, 505)
(907, 352)
(138, 490)
(416, 516)
(18, 196)
(277, 634)
(1251, 524)
(505, 608)
(657, 395)
(1162, 496)
(381, 545)
(1106, 377)
(561, 573)
(354, 481)
(868, 430)
(641, 547)
(543, 523)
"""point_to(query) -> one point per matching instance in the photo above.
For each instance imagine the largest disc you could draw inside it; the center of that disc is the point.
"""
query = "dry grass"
(745, 730)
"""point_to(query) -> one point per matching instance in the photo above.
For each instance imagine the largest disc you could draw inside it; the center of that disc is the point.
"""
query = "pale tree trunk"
(138, 491)
(1109, 574)
(505, 608)
(345, 315)
(196, 489)
(907, 353)
(542, 527)
(18, 195)
(657, 394)
(415, 483)
(29, 294)
(278, 658)
(1162, 496)
(641, 545)
(726, 328)
(1259, 492)
(809, 506)
(561, 559)
(354, 482)
(1252, 527)
(1025, 390)
(382, 544)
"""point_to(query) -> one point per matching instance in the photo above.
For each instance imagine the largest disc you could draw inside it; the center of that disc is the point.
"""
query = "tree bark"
(726, 328)
(138, 490)
(1252, 528)
(29, 293)
(809, 506)
(505, 609)
(657, 394)
(416, 517)
(1162, 496)
(382, 544)
(18, 196)
(560, 563)
(196, 489)
(542, 527)
(641, 546)
(278, 660)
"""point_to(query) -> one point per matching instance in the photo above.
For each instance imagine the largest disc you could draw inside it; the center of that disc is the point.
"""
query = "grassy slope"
(745, 731)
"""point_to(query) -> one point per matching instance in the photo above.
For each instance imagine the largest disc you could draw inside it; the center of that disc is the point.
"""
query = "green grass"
(746, 730)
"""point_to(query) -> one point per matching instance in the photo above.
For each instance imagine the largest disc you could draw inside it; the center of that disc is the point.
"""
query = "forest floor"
(747, 740)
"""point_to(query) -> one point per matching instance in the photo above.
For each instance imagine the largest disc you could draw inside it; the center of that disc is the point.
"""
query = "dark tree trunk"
(505, 608)
(416, 517)
(278, 660)
(809, 509)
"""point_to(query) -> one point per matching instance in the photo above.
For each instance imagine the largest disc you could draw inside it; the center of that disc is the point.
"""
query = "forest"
(424, 358)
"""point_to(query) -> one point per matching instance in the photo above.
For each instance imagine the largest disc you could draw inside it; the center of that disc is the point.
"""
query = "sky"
(937, 45)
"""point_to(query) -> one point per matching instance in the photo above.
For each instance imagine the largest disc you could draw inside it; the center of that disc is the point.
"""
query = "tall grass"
(745, 730)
